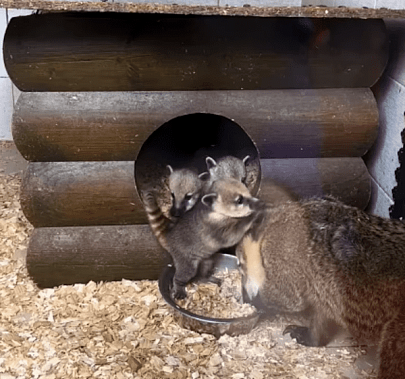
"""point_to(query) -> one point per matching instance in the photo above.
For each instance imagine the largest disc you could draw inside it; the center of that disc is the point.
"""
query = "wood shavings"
(241, 10)
(211, 300)
(125, 330)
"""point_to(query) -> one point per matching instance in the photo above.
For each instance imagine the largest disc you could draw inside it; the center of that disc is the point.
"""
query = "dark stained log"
(347, 179)
(81, 193)
(106, 126)
(67, 255)
(147, 52)
(79, 254)
(103, 193)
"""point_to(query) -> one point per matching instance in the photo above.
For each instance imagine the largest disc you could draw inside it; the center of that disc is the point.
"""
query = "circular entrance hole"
(185, 142)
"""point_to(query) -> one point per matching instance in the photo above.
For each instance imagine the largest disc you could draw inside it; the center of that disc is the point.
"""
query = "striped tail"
(157, 220)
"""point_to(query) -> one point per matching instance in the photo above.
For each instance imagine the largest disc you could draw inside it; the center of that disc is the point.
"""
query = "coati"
(219, 220)
(185, 187)
(227, 167)
(336, 264)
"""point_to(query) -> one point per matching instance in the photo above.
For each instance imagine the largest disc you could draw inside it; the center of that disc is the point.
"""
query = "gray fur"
(218, 221)
(227, 167)
(186, 189)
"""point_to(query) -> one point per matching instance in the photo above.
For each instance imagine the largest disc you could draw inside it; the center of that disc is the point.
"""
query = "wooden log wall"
(103, 193)
(306, 106)
(74, 254)
(130, 52)
(103, 126)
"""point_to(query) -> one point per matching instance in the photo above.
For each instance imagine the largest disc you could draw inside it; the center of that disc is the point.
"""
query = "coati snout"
(231, 198)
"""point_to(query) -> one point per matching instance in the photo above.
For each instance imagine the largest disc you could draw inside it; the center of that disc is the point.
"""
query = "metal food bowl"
(203, 324)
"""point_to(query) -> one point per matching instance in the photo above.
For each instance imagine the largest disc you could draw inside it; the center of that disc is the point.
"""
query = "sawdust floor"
(125, 330)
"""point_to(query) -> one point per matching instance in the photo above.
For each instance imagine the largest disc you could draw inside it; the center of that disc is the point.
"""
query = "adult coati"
(336, 264)
(217, 221)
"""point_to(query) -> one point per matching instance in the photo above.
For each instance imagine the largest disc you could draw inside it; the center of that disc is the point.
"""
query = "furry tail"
(392, 348)
(157, 220)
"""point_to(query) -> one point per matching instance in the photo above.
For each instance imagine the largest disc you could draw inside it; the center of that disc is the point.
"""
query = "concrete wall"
(8, 93)
(382, 160)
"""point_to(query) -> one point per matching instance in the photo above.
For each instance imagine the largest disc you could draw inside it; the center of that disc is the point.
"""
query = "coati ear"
(210, 163)
(246, 159)
(204, 176)
(209, 199)
(170, 168)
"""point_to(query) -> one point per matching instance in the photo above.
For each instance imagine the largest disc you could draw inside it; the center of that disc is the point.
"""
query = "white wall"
(382, 160)
(8, 93)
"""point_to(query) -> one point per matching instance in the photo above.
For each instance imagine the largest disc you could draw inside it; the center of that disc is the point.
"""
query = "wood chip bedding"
(211, 300)
(125, 330)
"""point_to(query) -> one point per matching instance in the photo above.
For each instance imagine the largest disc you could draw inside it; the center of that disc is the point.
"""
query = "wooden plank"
(103, 193)
(79, 254)
(114, 125)
(257, 11)
(149, 52)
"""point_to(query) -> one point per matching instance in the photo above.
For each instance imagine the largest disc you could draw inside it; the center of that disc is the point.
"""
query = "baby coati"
(227, 167)
(219, 220)
(186, 186)
(336, 264)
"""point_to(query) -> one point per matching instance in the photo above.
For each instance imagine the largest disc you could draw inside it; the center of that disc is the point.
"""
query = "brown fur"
(336, 264)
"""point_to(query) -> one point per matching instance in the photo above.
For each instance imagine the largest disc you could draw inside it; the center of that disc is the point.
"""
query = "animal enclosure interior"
(103, 110)
(298, 102)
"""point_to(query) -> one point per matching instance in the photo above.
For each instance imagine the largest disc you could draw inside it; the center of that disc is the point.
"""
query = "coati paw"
(179, 293)
(301, 333)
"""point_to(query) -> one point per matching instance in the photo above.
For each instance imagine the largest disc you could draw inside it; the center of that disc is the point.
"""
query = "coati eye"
(239, 200)
(172, 195)
(188, 196)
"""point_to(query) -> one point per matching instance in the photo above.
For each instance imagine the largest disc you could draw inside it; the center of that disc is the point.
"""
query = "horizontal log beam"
(150, 52)
(104, 193)
(114, 125)
(59, 256)
(81, 193)
(344, 178)
(67, 255)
